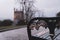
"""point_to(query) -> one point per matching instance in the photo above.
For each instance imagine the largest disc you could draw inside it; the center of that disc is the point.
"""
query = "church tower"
(18, 16)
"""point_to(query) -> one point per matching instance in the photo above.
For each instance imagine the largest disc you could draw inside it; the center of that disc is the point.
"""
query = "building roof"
(18, 11)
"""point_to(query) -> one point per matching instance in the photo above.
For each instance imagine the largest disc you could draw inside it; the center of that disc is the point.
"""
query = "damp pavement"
(21, 34)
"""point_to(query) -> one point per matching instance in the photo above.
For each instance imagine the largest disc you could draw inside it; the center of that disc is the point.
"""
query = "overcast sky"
(6, 9)
(49, 7)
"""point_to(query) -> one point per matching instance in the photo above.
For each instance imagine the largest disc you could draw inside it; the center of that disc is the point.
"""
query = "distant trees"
(6, 22)
(0, 23)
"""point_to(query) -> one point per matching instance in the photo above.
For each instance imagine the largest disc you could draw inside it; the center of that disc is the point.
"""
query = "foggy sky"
(6, 9)
(49, 7)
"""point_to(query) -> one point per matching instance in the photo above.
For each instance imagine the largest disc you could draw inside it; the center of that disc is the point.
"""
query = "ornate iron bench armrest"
(50, 21)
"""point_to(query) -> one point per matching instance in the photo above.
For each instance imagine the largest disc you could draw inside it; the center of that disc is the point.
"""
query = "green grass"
(6, 28)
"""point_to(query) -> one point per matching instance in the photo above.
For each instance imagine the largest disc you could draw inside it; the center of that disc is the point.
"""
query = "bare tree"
(27, 6)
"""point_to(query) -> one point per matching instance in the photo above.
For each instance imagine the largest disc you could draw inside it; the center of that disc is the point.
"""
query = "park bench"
(52, 23)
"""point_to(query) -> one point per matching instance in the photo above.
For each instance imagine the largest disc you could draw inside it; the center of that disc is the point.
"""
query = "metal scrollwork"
(51, 23)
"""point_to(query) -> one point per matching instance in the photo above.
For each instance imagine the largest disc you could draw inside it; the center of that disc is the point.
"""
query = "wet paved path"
(17, 34)
(21, 34)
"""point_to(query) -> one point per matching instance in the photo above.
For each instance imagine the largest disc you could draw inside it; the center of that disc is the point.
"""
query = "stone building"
(18, 16)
